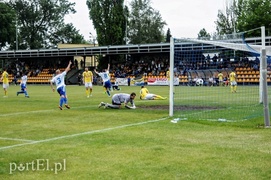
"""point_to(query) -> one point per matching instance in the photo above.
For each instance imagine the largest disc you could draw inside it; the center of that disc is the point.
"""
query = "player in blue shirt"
(23, 86)
(106, 79)
(59, 81)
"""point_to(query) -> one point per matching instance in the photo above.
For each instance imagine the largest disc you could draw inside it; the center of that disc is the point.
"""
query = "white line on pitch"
(38, 111)
(42, 111)
(15, 139)
(83, 133)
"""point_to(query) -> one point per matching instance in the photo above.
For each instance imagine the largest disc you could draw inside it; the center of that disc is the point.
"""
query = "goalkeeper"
(145, 95)
(118, 99)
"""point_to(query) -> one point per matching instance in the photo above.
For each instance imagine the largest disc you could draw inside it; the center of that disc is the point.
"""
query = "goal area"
(207, 69)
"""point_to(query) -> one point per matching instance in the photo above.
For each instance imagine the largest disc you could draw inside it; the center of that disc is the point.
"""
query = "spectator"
(129, 81)
(15, 80)
(115, 86)
(76, 64)
(82, 64)
(79, 79)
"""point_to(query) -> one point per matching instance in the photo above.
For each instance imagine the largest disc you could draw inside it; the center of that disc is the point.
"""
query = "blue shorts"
(23, 86)
(61, 91)
(107, 84)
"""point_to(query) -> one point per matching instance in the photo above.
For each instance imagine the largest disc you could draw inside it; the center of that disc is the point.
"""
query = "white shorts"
(89, 84)
(5, 85)
(233, 83)
(149, 97)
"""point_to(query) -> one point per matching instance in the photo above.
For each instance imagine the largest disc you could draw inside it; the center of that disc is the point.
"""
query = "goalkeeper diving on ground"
(118, 99)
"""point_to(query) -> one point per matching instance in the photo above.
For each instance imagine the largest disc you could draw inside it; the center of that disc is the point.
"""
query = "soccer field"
(38, 141)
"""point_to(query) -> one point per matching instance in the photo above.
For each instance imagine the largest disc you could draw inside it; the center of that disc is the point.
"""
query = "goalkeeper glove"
(129, 107)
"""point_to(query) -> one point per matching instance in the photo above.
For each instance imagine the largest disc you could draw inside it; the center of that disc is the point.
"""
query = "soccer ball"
(199, 82)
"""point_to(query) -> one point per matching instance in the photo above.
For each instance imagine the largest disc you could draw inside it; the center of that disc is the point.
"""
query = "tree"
(253, 14)
(109, 18)
(7, 24)
(244, 15)
(226, 22)
(39, 20)
(203, 34)
(145, 24)
(67, 34)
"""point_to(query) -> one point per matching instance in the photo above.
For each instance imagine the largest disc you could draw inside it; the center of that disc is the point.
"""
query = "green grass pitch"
(39, 141)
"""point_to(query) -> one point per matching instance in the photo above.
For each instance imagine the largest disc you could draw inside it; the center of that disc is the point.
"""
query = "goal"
(206, 92)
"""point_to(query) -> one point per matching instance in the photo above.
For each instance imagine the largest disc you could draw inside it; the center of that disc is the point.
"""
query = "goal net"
(208, 68)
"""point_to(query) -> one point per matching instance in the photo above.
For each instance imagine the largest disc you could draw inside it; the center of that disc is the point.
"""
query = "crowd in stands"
(31, 67)
(155, 65)
(158, 65)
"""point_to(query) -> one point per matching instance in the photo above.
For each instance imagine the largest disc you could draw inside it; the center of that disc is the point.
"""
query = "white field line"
(45, 111)
(15, 139)
(83, 133)
(39, 111)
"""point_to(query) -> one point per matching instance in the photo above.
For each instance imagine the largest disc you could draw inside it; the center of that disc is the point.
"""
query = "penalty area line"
(83, 133)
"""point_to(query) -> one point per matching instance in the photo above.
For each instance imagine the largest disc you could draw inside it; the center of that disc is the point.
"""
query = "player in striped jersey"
(59, 81)
(23, 86)
(106, 79)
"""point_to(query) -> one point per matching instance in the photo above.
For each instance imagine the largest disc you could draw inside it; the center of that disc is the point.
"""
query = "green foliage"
(67, 34)
(145, 24)
(204, 34)
(7, 24)
(244, 15)
(39, 20)
(226, 21)
(109, 20)
(253, 14)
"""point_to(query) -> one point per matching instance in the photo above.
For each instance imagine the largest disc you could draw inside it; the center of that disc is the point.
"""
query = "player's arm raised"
(68, 67)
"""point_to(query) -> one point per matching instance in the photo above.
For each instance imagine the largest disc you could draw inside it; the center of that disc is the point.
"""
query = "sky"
(184, 18)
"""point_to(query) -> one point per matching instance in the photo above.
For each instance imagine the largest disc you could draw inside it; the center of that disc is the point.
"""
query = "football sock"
(25, 93)
(61, 101)
(113, 106)
(159, 97)
(108, 93)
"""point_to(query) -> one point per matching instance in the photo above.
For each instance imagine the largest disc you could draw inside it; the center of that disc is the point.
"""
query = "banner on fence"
(162, 81)
(122, 81)
(150, 81)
